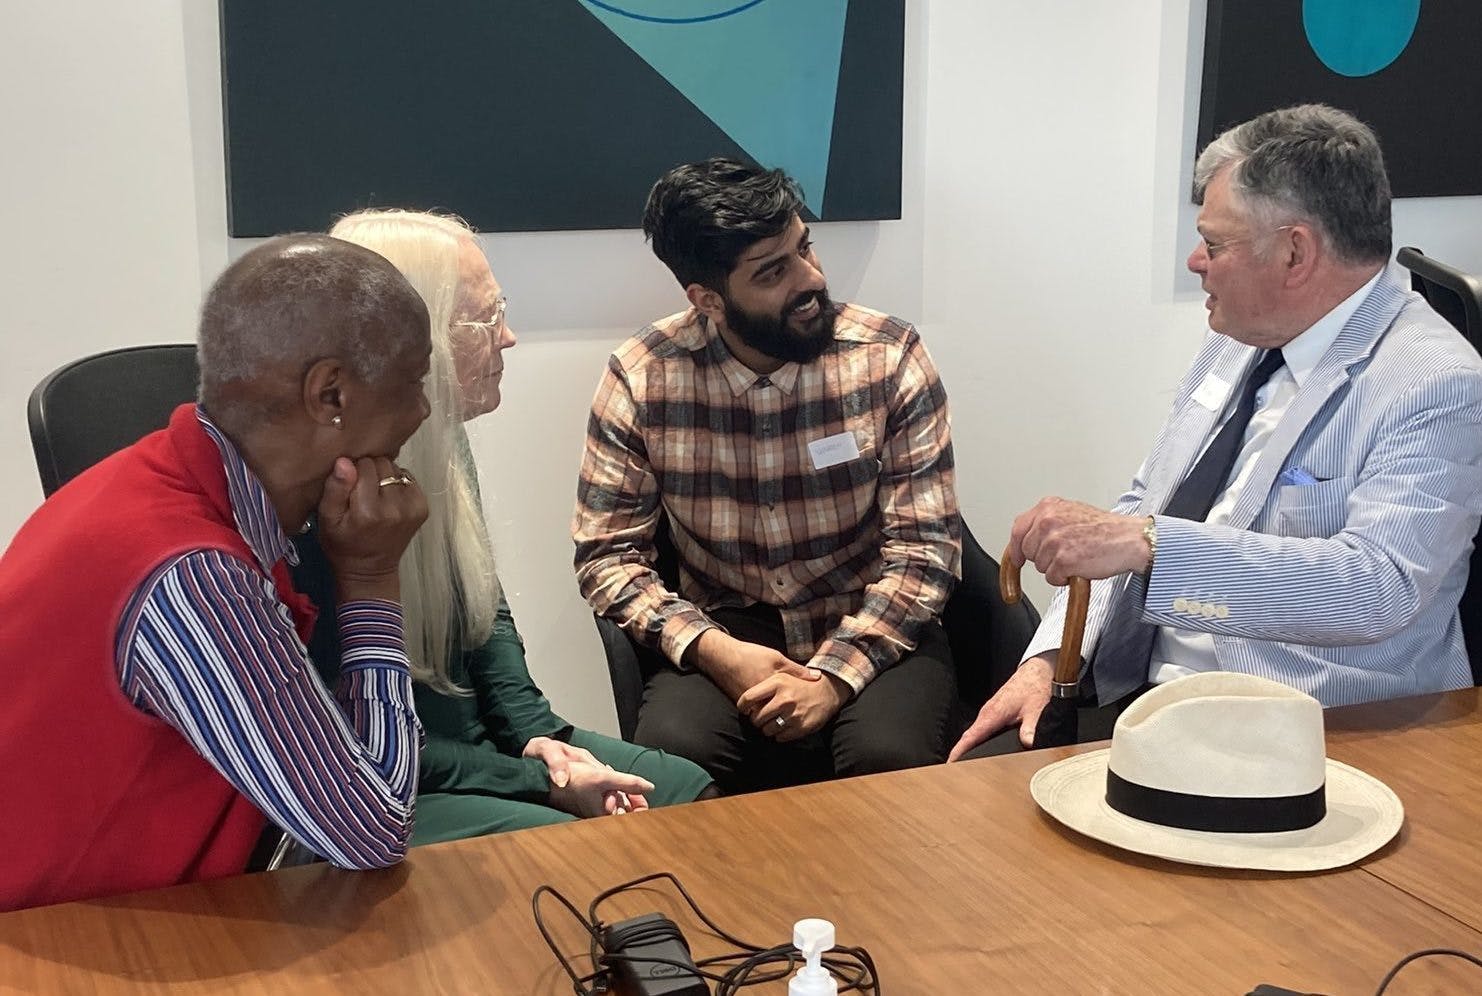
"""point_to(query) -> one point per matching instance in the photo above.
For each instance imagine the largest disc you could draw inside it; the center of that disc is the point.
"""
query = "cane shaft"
(1077, 603)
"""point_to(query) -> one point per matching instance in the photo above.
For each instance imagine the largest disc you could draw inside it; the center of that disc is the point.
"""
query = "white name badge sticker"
(831, 450)
(1213, 393)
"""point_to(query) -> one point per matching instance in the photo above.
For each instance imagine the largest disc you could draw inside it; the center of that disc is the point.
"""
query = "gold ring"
(400, 477)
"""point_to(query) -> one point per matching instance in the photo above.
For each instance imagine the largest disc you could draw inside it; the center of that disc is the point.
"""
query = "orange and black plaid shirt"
(856, 555)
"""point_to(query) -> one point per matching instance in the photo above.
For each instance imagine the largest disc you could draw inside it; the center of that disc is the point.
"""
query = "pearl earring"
(338, 422)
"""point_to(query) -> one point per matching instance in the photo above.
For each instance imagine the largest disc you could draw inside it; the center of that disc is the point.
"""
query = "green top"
(474, 741)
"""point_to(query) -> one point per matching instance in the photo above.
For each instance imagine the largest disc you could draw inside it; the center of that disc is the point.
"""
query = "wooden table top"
(950, 876)
(1429, 750)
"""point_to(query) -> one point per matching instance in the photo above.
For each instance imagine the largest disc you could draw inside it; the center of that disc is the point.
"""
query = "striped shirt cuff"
(373, 657)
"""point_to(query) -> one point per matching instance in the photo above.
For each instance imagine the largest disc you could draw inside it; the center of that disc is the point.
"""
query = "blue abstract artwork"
(553, 114)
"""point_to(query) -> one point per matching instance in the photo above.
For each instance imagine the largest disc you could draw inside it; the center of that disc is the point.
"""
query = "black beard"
(773, 336)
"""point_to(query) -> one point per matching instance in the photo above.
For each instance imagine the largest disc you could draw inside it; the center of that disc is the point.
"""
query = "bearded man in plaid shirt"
(799, 454)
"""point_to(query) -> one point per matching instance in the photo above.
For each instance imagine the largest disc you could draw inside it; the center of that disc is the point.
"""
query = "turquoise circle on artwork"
(1359, 37)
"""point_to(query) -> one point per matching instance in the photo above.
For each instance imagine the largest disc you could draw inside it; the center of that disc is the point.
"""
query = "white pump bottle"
(813, 937)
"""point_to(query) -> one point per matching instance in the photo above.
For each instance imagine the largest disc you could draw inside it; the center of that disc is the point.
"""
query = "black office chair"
(93, 407)
(1457, 296)
(987, 636)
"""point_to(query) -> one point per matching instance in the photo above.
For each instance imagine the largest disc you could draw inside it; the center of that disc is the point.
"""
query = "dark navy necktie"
(1196, 494)
(1120, 665)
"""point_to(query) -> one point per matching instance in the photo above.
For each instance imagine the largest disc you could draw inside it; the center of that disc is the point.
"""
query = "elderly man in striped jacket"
(1308, 508)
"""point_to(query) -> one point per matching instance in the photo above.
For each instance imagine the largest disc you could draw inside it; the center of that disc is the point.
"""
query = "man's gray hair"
(298, 299)
(1313, 164)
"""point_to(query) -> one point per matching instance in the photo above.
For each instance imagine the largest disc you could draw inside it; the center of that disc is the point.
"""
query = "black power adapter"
(648, 956)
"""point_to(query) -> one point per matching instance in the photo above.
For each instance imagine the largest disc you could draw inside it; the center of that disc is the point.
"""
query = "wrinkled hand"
(1065, 539)
(804, 706)
(735, 665)
(1021, 699)
(557, 757)
(597, 790)
(364, 528)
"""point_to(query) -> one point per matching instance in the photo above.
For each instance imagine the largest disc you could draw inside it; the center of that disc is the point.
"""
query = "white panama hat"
(1226, 770)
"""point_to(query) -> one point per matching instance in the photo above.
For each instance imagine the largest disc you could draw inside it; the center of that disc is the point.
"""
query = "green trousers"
(454, 816)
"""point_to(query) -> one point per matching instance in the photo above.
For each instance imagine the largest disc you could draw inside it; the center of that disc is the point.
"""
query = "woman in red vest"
(159, 701)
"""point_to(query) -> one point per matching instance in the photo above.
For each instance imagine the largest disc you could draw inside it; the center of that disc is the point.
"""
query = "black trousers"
(1093, 722)
(899, 720)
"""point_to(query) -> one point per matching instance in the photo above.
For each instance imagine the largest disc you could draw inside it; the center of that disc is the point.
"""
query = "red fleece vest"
(98, 797)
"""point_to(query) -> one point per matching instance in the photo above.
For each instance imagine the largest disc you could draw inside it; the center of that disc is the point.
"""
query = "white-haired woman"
(497, 757)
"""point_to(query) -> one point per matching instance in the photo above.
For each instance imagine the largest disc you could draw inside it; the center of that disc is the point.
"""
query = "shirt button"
(780, 581)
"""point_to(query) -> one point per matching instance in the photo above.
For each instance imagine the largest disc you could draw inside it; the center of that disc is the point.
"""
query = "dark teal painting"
(1408, 68)
(552, 114)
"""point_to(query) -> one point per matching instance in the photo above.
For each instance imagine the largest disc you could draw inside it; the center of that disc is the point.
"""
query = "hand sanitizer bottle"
(813, 937)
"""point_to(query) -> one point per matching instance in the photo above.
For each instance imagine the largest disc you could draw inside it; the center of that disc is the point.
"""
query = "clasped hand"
(767, 686)
(582, 785)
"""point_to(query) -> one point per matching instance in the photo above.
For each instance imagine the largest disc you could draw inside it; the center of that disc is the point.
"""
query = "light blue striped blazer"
(1347, 588)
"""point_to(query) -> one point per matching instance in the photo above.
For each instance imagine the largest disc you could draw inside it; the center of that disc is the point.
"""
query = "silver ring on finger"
(780, 721)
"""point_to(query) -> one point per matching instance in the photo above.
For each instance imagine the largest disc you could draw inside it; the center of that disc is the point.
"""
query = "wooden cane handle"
(1077, 604)
(1008, 580)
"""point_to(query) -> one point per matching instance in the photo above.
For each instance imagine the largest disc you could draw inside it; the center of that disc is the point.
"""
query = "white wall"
(98, 229)
(1047, 154)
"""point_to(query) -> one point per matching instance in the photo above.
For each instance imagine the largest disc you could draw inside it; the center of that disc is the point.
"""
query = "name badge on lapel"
(1212, 393)
(831, 450)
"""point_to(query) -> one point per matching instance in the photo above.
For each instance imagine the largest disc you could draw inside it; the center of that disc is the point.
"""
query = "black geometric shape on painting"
(864, 161)
(1425, 106)
(464, 106)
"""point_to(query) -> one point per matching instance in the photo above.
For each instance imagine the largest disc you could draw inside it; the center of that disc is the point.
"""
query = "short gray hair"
(1310, 163)
(298, 299)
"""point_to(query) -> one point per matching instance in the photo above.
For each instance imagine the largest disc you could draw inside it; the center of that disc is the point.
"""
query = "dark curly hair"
(702, 216)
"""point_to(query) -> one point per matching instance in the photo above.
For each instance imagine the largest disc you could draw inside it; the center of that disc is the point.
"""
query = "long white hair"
(449, 593)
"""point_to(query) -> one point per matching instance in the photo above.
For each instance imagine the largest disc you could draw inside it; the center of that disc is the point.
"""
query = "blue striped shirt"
(207, 646)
